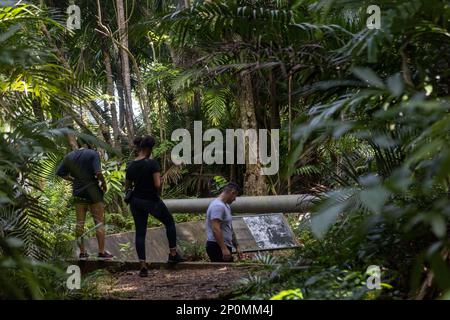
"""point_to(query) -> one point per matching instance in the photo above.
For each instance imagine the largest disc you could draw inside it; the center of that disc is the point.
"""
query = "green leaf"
(440, 270)
(438, 225)
(374, 198)
(368, 76)
(372, 50)
(321, 222)
(395, 85)
(295, 294)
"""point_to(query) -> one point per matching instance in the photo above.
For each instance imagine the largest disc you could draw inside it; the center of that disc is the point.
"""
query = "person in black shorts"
(220, 234)
(143, 176)
(82, 167)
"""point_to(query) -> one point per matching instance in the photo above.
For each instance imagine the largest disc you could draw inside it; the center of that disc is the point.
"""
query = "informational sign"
(257, 232)
(263, 232)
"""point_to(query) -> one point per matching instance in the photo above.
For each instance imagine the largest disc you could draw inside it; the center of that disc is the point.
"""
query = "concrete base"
(121, 245)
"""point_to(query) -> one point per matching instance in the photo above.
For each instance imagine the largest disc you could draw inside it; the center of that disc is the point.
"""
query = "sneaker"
(143, 273)
(175, 259)
(105, 256)
(83, 256)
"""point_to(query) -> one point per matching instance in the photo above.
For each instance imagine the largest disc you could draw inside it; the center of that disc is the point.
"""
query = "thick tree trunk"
(254, 182)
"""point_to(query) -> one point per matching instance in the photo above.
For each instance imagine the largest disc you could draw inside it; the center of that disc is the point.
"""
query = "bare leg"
(97, 210)
(80, 210)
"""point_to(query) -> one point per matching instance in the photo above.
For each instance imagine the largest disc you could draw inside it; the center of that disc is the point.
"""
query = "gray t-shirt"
(217, 209)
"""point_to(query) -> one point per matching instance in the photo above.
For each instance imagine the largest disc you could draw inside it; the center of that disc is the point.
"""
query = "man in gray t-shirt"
(219, 229)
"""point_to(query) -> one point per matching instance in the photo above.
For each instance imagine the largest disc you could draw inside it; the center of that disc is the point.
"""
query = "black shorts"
(89, 196)
(215, 253)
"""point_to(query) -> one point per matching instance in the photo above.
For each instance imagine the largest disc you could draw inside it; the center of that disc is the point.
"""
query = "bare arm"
(157, 181)
(236, 245)
(234, 240)
(98, 170)
(101, 178)
(219, 239)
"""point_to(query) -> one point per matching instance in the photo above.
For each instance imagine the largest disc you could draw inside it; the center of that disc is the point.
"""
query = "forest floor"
(178, 284)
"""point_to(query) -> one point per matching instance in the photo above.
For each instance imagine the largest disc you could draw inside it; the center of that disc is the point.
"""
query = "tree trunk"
(274, 103)
(111, 104)
(289, 127)
(126, 75)
(233, 172)
(254, 182)
(119, 86)
(102, 125)
(37, 110)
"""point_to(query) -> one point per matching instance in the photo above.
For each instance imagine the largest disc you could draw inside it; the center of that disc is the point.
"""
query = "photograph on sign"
(263, 232)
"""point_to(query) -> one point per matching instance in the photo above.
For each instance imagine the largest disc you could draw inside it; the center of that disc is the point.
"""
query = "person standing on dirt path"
(143, 183)
(82, 167)
(219, 229)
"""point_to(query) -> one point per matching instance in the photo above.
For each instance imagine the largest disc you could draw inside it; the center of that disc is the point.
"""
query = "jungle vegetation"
(363, 116)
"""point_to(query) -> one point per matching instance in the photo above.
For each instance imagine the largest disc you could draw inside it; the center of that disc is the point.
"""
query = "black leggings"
(141, 208)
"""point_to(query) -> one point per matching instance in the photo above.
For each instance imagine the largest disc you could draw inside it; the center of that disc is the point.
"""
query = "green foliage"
(295, 294)
(193, 251)
(371, 123)
(114, 173)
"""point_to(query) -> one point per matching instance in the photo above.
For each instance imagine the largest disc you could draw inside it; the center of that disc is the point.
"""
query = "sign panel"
(263, 232)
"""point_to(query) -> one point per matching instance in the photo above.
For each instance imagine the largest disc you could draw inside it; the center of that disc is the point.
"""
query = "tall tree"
(125, 64)
(254, 182)
(110, 103)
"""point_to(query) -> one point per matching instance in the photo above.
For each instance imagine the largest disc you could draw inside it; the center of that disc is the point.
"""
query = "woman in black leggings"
(143, 175)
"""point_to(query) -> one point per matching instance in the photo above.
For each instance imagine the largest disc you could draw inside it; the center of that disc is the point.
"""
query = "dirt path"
(182, 284)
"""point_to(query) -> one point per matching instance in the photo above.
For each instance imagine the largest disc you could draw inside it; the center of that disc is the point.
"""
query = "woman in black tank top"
(143, 176)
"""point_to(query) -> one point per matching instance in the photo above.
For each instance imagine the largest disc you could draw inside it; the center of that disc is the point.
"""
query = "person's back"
(140, 172)
(83, 165)
(142, 185)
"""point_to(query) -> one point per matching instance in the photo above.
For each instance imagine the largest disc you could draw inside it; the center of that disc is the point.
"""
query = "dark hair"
(137, 145)
(137, 142)
(147, 142)
(231, 186)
